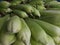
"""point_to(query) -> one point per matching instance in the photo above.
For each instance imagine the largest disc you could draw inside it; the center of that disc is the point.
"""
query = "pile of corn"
(29, 22)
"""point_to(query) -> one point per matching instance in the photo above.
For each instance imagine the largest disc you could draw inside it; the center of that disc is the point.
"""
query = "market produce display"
(29, 22)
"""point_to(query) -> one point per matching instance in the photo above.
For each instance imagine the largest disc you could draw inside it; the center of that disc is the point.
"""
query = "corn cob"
(25, 34)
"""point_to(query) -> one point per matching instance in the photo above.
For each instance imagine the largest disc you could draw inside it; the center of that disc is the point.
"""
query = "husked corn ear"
(24, 34)
(14, 24)
(38, 33)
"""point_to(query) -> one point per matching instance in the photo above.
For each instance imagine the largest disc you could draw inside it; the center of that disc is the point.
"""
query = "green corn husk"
(52, 30)
(25, 34)
(57, 39)
(18, 43)
(20, 13)
(53, 8)
(0, 44)
(51, 42)
(3, 20)
(17, 2)
(5, 10)
(36, 2)
(38, 33)
(14, 24)
(46, 1)
(49, 28)
(51, 16)
(6, 38)
(53, 4)
(4, 4)
(36, 12)
(33, 42)
(25, 7)
(41, 8)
